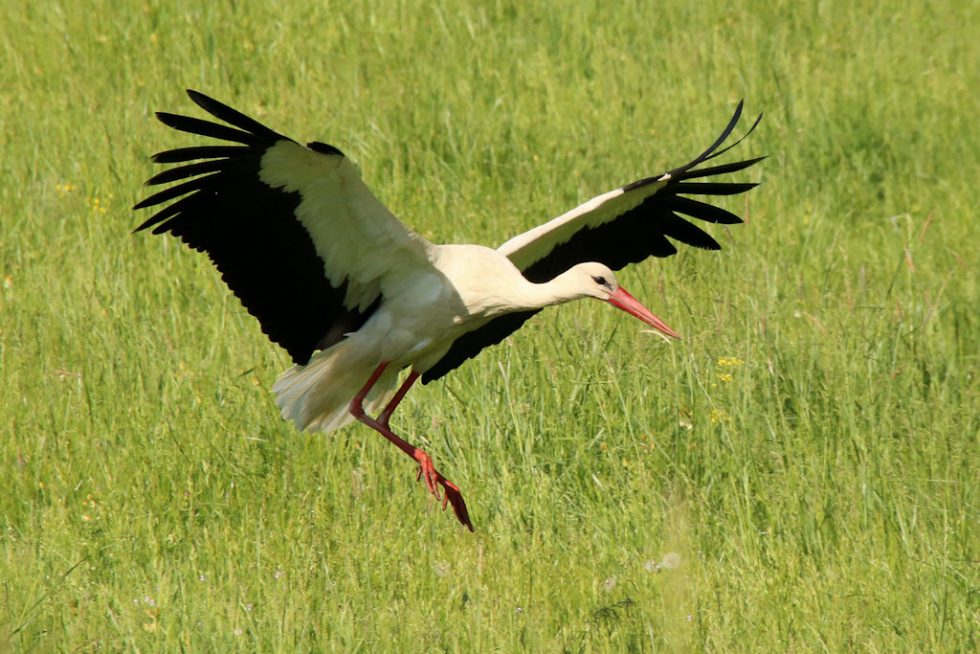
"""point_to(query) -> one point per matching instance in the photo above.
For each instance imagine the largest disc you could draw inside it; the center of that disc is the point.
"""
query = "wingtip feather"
(232, 116)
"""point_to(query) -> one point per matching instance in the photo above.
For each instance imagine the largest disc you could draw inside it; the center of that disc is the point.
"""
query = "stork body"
(355, 297)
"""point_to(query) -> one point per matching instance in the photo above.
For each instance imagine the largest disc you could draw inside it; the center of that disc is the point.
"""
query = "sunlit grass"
(797, 474)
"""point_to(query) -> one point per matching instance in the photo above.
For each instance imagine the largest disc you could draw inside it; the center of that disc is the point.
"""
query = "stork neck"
(559, 290)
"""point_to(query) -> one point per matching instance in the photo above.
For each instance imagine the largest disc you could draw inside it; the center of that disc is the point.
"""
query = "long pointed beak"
(623, 300)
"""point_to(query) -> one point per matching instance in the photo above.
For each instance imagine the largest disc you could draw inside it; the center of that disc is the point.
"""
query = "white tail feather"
(317, 396)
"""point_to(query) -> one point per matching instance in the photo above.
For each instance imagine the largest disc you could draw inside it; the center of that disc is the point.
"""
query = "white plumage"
(356, 297)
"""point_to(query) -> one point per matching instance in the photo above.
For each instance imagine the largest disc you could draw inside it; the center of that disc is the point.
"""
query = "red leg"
(426, 468)
(396, 400)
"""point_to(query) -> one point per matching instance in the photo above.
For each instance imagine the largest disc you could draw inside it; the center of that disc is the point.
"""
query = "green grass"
(819, 496)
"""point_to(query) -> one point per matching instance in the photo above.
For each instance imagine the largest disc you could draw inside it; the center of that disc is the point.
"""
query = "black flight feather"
(207, 128)
(190, 170)
(180, 155)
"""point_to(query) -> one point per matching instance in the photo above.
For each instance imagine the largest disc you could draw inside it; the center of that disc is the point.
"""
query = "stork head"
(598, 281)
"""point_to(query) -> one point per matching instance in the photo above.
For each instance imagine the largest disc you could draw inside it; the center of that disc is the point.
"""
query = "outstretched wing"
(633, 222)
(623, 226)
(294, 231)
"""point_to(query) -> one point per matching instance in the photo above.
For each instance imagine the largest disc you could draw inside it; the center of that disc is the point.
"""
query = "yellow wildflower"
(717, 415)
(95, 204)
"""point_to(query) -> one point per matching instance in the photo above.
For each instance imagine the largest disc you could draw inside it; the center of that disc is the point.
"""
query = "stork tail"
(317, 396)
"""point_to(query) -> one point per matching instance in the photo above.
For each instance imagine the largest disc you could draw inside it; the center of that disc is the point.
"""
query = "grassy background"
(798, 474)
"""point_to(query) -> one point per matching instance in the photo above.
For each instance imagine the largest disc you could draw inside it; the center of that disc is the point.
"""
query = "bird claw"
(451, 493)
(428, 471)
(454, 497)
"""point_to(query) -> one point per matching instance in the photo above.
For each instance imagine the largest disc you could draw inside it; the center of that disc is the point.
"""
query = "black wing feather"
(190, 170)
(179, 190)
(232, 116)
(713, 154)
(179, 155)
(721, 169)
(679, 229)
(207, 128)
(250, 231)
(712, 188)
(701, 210)
(631, 237)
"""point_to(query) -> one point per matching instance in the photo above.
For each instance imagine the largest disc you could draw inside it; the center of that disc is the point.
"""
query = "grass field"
(798, 474)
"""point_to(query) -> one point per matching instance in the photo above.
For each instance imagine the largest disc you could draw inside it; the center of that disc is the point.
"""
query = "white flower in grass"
(609, 584)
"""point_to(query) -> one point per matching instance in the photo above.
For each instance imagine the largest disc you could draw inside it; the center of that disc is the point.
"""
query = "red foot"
(428, 472)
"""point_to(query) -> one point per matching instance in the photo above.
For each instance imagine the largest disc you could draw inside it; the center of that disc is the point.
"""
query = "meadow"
(797, 474)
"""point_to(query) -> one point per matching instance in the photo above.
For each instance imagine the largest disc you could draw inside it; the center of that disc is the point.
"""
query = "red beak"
(623, 300)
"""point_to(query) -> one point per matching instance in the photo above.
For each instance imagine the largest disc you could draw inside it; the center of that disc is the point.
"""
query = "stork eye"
(601, 281)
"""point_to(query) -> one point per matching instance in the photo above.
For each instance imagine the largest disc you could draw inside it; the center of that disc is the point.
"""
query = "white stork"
(355, 297)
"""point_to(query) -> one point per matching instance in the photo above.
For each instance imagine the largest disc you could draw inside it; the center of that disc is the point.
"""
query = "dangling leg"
(426, 468)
